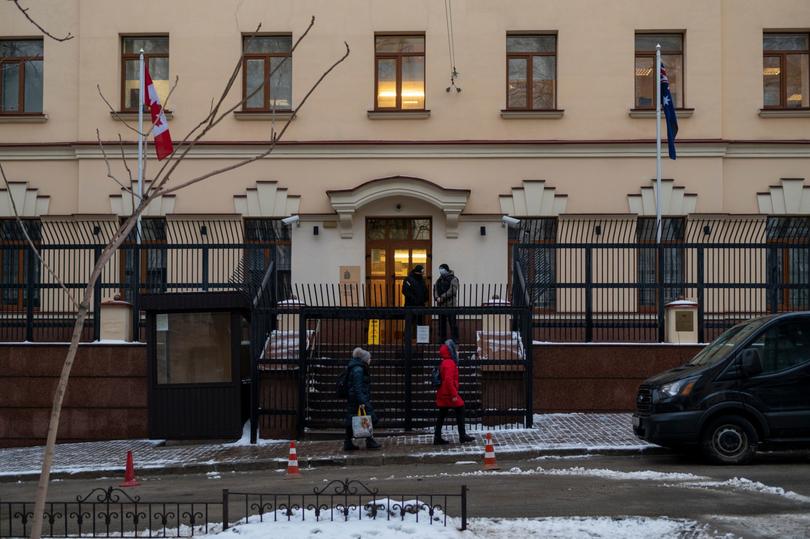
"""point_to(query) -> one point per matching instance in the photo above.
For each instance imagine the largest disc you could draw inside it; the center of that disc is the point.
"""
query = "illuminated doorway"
(393, 247)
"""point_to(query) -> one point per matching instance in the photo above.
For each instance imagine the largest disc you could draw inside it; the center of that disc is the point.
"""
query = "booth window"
(14, 269)
(193, 348)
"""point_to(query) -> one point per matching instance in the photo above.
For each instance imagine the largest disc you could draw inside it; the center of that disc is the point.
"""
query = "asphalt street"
(770, 498)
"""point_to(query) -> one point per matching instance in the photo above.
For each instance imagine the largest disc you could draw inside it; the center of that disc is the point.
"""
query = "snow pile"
(604, 473)
(548, 528)
(244, 441)
(741, 483)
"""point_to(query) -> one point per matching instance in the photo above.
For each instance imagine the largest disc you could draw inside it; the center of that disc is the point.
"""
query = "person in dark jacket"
(359, 385)
(415, 292)
(445, 293)
(447, 397)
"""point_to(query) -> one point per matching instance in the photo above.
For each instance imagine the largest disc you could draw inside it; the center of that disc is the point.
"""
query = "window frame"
(647, 308)
(20, 246)
(128, 56)
(266, 56)
(527, 56)
(398, 56)
(651, 54)
(763, 336)
(782, 55)
(785, 299)
(536, 225)
(266, 247)
(146, 247)
(21, 61)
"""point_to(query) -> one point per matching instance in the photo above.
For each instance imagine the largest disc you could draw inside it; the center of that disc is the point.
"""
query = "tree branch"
(24, 11)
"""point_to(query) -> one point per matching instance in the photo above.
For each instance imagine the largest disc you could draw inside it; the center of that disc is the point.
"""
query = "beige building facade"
(553, 120)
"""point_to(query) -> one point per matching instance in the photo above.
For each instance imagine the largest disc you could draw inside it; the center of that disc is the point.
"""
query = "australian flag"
(669, 112)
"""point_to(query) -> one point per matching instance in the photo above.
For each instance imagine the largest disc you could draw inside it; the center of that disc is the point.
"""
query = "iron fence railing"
(111, 512)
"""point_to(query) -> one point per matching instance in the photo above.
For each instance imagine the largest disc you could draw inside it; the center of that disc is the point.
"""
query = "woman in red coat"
(447, 397)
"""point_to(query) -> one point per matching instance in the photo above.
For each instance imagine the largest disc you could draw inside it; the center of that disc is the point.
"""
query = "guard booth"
(196, 363)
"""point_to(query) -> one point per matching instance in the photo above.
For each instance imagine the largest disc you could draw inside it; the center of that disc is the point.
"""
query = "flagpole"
(140, 142)
(658, 143)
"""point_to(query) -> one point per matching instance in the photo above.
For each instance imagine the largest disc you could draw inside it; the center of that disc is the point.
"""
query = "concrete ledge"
(398, 114)
(23, 118)
(283, 116)
(647, 113)
(784, 113)
(532, 114)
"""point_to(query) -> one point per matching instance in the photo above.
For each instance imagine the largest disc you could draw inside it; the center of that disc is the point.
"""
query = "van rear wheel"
(730, 440)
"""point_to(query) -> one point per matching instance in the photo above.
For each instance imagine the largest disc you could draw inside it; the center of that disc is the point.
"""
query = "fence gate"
(308, 347)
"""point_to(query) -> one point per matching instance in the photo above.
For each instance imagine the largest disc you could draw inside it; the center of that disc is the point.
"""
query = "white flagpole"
(140, 142)
(658, 143)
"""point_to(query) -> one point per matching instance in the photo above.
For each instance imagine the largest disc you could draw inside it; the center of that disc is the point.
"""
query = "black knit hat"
(444, 266)
(418, 268)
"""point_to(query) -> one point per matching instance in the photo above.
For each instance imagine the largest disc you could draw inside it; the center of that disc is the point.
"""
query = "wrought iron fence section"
(111, 512)
(344, 500)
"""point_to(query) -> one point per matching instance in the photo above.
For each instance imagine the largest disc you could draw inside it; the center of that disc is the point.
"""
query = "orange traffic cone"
(489, 455)
(292, 463)
(129, 475)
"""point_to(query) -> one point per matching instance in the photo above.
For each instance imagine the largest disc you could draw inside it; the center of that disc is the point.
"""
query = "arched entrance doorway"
(394, 246)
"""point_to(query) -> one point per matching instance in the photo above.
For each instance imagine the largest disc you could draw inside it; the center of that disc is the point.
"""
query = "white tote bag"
(361, 424)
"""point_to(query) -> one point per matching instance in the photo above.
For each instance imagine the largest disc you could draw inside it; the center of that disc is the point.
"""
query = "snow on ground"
(550, 528)
(244, 441)
(602, 473)
(741, 483)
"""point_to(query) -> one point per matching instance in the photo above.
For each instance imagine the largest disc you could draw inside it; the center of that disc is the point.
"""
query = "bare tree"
(24, 11)
(159, 185)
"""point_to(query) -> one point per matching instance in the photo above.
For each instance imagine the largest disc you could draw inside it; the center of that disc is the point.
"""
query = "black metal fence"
(607, 280)
(306, 347)
(112, 512)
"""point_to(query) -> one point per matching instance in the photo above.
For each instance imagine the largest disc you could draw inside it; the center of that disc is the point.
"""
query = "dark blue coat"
(359, 382)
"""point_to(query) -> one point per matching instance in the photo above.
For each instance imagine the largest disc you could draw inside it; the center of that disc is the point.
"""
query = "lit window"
(399, 72)
(671, 57)
(785, 66)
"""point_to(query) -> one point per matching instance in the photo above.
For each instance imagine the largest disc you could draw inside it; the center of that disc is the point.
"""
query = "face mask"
(443, 271)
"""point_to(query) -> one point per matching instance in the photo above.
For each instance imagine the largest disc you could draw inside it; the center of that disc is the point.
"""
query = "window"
(193, 348)
(671, 58)
(272, 238)
(21, 76)
(785, 67)
(538, 263)
(399, 80)
(531, 58)
(152, 266)
(263, 57)
(672, 232)
(789, 267)
(156, 54)
(15, 257)
(784, 346)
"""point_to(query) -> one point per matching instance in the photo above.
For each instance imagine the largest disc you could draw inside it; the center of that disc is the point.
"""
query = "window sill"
(532, 114)
(784, 113)
(398, 114)
(250, 115)
(23, 118)
(650, 113)
(133, 116)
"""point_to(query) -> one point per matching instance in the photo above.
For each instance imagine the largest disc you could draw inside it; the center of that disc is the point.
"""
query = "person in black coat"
(415, 291)
(359, 386)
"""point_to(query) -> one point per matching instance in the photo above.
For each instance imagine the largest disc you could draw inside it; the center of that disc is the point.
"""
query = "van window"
(718, 350)
(785, 345)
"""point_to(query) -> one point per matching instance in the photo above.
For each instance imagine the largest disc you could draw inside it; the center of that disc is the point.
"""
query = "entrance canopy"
(346, 202)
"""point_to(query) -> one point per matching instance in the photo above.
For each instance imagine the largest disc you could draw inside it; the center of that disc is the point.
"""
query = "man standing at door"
(415, 292)
(445, 294)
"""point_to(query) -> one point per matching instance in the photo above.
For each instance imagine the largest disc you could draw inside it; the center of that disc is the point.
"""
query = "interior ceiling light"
(644, 71)
(795, 97)
(771, 71)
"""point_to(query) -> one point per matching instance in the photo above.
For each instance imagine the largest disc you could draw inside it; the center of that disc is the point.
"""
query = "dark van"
(748, 389)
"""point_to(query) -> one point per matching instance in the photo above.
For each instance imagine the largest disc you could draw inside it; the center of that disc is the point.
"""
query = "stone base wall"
(106, 398)
(599, 377)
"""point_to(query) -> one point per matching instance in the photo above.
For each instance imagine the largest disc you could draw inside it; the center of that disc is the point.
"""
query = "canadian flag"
(160, 126)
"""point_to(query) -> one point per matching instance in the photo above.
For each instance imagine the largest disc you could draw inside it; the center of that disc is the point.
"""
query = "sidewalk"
(552, 434)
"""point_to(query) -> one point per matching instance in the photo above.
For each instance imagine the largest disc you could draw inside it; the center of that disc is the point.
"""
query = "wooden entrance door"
(393, 247)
